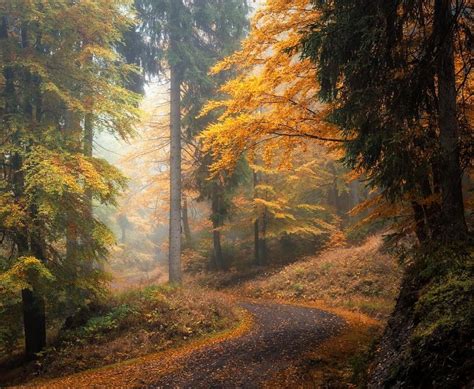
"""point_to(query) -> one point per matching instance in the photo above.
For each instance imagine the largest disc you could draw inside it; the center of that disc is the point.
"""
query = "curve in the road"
(281, 334)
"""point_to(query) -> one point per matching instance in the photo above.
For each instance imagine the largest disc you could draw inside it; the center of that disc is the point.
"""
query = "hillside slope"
(363, 279)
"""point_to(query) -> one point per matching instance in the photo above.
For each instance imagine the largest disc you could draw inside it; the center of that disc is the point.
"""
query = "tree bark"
(262, 241)
(88, 150)
(453, 218)
(219, 260)
(34, 321)
(256, 242)
(218, 256)
(260, 244)
(175, 153)
(420, 223)
(186, 228)
(72, 132)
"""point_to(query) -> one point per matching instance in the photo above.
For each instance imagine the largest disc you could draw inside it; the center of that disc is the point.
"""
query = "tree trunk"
(257, 243)
(260, 245)
(186, 228)
(72, 131)
(355, 196)
(420, 223)
(454, 223)
(219, 259)
(88, 146)
(33, 306)
(218, 256)
(262, 241)
(175, 163)
(34, 320)
(88, 150)
(256, 226)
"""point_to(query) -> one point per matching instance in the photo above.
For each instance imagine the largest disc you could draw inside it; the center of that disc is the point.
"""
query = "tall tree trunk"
(186, 228)
(218, 256)
(88, 150)
(175, 173)
(257, 243)
(219, 259)
(34, 315)
(355, 196)
(420, 222)
(34, 321)
(454, 223)
(72, 132)
(260, 226)
(262, 241)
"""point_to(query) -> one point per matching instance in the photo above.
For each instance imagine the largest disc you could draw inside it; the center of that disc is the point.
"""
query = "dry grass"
(361, 279)
(131, 325)
(146, 370)
(360, 285)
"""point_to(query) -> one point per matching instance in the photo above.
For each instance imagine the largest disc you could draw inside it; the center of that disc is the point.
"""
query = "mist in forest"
(236, 193)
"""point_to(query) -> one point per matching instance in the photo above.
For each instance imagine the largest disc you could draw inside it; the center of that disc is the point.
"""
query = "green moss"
(437, 351)
(448, 305)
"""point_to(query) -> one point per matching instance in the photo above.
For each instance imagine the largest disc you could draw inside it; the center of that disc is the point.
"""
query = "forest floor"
(357, 282)
(256, 353)
(309, 324)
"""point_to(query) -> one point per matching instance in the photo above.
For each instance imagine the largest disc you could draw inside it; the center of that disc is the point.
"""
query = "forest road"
(281, 335)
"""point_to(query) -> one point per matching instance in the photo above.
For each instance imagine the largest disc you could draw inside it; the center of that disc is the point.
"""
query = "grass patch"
(131, 325)
(361, 279)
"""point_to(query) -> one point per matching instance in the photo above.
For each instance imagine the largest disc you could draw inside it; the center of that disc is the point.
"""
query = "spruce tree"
(389, 70)
(182, 40)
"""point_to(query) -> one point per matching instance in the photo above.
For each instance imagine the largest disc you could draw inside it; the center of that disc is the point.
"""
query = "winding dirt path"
(279, 337)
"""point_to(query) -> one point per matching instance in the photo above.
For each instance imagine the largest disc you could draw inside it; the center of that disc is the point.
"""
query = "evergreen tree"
(182, 40)
(396, 73)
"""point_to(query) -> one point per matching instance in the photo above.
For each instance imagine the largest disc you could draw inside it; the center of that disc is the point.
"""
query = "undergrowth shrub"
(133, 324)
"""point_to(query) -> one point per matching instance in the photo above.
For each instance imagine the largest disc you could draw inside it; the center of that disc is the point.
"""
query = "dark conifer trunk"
(175, 150)
(72, 132)
(219, 259)
(186, 227)
(257, 242)
(262, 240)
(34, 319)
(33, 305)
(454, 224)
(420, 222)
(260, 244)
(218, 256)
(175, 179)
